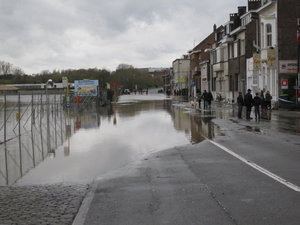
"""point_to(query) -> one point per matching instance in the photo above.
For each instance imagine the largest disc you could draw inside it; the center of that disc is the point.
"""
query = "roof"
(7, 88)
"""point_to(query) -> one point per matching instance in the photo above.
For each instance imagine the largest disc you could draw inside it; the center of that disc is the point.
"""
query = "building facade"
(180, 77)
(256, 49)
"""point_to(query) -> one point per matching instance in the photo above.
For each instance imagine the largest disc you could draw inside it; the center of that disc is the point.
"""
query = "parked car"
(126, 92)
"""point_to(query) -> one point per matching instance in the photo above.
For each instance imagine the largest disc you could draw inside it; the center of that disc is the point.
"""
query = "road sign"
(284, 84)
(296, 87)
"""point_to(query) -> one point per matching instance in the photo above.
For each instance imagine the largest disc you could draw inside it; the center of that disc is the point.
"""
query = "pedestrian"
(240, 101)
(262, 102)
(268, 99)
(205, 99)
(168, 92)
(248, 100)
(256, 103)
(210, 98)
(198, 97)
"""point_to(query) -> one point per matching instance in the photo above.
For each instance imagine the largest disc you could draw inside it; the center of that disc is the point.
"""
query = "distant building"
(155, 71)
(4, 89)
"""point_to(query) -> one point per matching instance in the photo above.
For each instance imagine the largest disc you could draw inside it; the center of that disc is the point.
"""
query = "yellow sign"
(271, 62)
(256, 61)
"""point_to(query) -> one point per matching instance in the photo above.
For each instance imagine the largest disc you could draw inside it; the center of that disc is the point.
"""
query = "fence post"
(20, 142)
(6, 162)
(31, 125)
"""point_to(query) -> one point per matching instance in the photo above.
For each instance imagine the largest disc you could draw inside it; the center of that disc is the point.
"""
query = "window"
(269, 35)
(230, 83)
(215, 56)
(225, 53)
(236, 82)
(235, 49)
(242, 45)
(262, 35)
(213, 85)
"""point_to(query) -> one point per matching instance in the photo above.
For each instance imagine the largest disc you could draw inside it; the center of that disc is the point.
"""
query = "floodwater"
(106, 139)
(103, 139)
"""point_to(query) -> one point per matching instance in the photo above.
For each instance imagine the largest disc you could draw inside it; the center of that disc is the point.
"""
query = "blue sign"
(68, 104)
(86, 87)
(193, 84)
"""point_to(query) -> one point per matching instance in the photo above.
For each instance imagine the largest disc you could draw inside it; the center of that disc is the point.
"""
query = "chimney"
(254, 4)
(242, 10)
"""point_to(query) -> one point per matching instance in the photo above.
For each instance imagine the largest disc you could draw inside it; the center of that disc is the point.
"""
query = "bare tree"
(18, 71)
(6, 68)
(124, 66)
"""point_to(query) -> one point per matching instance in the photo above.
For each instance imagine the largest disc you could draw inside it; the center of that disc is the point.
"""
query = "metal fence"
(31, 128)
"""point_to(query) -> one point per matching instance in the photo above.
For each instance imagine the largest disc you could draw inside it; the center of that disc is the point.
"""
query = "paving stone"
(45, 204)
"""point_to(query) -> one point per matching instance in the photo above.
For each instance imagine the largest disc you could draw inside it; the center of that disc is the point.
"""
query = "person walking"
(240, 101)
(268, 99)
(262, 102)
(210, 98)
(256, 103)
(205, 98)
(248, 100)
(198, 97)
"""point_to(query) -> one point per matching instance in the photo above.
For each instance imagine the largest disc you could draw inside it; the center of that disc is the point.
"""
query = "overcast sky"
(41, 35)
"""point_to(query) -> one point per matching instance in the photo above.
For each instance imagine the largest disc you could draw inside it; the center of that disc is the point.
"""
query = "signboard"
(287, 66)
(298, 94)
(250, 64)
(68, 104)
(271, 61)
(256, 61)
(86, 87)
(65, 82)
(284, 84)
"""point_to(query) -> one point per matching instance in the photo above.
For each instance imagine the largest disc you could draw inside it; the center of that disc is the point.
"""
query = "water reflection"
(103, 139)
(109, 137)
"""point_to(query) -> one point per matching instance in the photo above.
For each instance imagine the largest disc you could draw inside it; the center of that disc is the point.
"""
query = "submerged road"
(178, 167)
(248, 176)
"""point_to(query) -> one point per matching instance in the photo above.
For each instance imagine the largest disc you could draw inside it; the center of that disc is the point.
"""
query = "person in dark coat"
(210, 98)
(240, 101)
(248, 100)
(198, 97)
(256, 103)
(205, 98)
(268, 100)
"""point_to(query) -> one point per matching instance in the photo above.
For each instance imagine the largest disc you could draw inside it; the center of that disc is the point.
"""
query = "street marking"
(257, 167)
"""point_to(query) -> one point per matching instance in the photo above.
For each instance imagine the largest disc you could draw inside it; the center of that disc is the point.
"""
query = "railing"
(31, 128)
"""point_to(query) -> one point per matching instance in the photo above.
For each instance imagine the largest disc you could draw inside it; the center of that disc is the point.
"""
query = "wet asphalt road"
(250, 175)
(203, 183)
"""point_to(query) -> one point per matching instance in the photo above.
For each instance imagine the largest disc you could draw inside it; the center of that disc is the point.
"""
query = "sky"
(39, 35)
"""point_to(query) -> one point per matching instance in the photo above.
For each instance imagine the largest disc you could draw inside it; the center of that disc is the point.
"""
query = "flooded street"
(116, 135)
(151, 153)
(103, 139)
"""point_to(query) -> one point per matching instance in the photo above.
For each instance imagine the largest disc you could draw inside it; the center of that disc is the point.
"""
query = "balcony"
(218, 67)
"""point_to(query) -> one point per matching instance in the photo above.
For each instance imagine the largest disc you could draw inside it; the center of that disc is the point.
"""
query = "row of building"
(256, 49)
